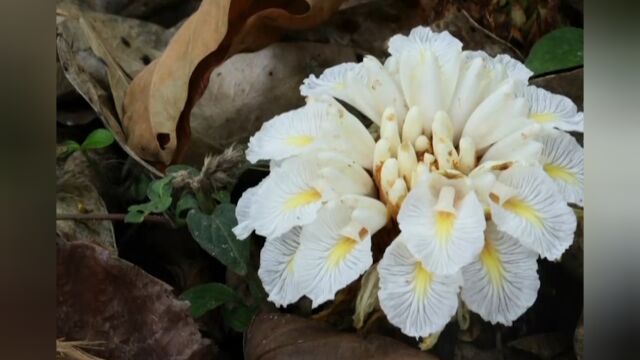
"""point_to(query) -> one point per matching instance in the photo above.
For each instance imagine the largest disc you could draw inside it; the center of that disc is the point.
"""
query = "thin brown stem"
(112, 217)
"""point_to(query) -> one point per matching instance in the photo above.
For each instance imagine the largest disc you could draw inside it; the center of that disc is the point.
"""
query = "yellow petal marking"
(523, 210)
(300, 140)
(341, 250)
(444, 225)
(291, 265)
(423, 280)
(302, 198)
(491, 261)
(543, 118)
(560, 173)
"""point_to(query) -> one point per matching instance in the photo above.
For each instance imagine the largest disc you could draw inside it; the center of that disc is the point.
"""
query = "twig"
(112, 217)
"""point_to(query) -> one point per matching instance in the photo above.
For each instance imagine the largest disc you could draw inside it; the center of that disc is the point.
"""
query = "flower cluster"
(470, 162)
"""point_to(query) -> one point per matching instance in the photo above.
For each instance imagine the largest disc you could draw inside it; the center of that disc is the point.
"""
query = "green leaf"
(238, 317)
(135, 216)
(98, 139)
(187, 202)
(557, 50)
(213, 233)
(208, 297)
(223, 197)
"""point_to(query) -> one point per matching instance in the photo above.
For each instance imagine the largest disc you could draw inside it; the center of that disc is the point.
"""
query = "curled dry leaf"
(250, 88)
(104, 298)
(76, 194)
(159, 101)
(91, 53)
(282, 336)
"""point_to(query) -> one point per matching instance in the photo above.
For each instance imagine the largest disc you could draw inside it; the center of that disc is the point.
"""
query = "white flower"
(470, 163)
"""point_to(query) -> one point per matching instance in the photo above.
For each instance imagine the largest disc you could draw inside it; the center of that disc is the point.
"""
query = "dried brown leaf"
(282, 336)
(76, 194)
(91, 73)
(160, 99)
(104, 298)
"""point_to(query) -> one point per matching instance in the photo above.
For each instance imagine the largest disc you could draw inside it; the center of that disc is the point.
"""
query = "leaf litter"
(145, 74)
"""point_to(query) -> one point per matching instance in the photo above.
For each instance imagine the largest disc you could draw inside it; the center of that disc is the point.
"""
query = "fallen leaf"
(88, 73)
(75, 194)
(157, 95)
(248, 89)
(104, 298)
(159, 101)
(282, 336)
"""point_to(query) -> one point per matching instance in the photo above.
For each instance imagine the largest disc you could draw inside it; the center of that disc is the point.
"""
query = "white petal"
(413, 298)
(277, 268)
(563, 160)
(291, 133)
(498, 116)
(444, 241)
(243, 212)
(382, 90)
(471, 89)
(353, 139)
(514, 68)
(327, 261)
(537, 215)
(288, 197)
(428, 69)
(347, 82)
(341, 175)
(502, 283)
(520, 146)
(552, 110)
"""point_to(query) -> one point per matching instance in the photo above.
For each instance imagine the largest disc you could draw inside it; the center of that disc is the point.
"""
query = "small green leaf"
(135, 216)
(98, 139)
(238, 317)
(223, 197)
(213, 233)
(71, 145)
(208, 297)
(159, 194)
(187, 202)
(557, 50)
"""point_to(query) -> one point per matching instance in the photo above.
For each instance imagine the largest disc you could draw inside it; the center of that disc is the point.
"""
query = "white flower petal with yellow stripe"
(328, 260)
(294, 192)
(502, 283)
(562, 159)
(277, 268)
(415, 299)
(553, 110)
(526, 205)
(442, 223)
(319, 125)
(291, 133)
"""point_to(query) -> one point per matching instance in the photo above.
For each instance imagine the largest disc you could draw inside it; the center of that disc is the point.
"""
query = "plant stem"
(111, 217)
